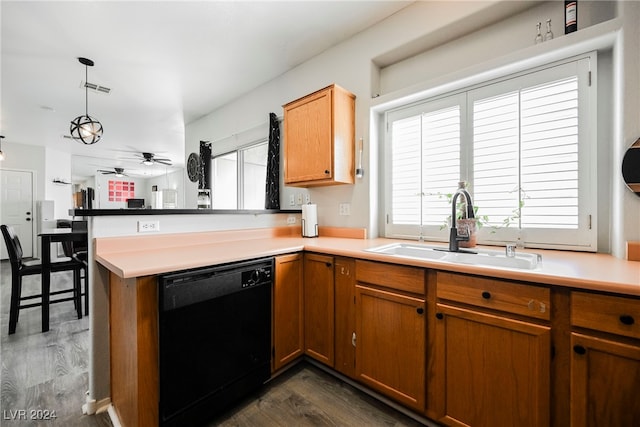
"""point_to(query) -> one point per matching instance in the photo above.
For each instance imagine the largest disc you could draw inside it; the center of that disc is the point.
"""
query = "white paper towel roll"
(309, 220)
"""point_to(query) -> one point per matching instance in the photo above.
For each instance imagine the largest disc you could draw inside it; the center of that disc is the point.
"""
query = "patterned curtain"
(272, 193)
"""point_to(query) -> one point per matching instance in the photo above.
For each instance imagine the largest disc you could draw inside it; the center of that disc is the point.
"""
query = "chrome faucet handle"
(510, 250)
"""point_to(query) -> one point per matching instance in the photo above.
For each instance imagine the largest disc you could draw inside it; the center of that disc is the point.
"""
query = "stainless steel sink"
(492, 258)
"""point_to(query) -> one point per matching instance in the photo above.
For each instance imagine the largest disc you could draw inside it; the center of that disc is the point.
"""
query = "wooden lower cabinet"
(605, 382)
(345, 316)
(133, 330)
(390, 344)
(605, 360)
(288, 310)
(318, 307)
(490, 370)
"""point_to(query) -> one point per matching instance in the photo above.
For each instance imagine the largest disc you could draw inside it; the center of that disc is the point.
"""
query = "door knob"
(28, 219)
(28, 213)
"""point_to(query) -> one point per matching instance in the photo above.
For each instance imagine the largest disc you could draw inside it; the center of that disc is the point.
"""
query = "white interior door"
(16, 200)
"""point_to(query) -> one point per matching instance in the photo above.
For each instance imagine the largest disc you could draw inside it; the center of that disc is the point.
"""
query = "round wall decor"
(631, 167)
(193, 167)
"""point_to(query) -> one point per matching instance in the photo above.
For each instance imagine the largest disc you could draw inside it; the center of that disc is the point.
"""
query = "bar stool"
(21, 268)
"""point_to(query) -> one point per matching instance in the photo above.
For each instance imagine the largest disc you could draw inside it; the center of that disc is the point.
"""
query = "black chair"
(20, 268)
(78, 250)
(81, 253)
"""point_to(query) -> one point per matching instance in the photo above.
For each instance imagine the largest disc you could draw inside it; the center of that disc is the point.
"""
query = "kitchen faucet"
(454, 238)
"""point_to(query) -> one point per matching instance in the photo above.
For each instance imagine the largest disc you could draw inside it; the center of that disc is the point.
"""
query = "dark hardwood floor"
(306, 396)
(49, 372)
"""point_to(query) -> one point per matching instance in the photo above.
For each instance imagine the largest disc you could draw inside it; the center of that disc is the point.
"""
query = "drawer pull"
(486, 294)
(439, 316)
(579, 349)
(419, 310)
(626, 319)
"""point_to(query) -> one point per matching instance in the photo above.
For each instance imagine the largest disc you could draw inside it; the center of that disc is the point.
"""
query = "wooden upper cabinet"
(319, 138)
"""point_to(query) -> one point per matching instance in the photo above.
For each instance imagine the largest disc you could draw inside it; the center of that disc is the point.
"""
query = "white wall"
(48, 165)
(26, 157)
(170, 181)
(58, 167)
(426, 42)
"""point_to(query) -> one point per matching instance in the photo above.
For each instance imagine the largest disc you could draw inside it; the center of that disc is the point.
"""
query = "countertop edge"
(566, 270)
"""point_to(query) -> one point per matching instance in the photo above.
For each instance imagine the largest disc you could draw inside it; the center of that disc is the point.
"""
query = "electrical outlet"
(299, 198)
(292, 199)
(345, 209)
(291, 220)
(307, 198)
(147, 226)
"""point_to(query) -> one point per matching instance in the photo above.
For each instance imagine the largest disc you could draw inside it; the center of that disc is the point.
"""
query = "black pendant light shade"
(85, 128)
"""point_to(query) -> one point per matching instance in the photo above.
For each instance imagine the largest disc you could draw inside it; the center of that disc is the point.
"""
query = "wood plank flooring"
(49, 371)
(306, 396)
(44, 371)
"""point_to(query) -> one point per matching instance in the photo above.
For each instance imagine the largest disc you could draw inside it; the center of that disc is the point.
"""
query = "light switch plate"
(345, 209)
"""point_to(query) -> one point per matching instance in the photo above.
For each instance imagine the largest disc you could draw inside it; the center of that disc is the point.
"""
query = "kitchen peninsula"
(578, 304)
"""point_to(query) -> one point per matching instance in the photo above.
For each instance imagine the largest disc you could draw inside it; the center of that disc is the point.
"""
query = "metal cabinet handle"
(627, 319)
(486, 294)
(419, 310)
(579, 349)
(353, 339)
(439, 316)
(326, 171)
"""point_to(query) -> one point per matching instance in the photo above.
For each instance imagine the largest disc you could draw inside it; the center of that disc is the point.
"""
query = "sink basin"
(492, 258)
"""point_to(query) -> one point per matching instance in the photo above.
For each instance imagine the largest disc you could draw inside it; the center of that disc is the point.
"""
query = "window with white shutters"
(524, 148)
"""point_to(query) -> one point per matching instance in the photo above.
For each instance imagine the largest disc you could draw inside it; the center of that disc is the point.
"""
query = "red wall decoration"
(121, 191)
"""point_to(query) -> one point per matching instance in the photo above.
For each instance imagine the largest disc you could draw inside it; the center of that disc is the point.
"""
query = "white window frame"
(585, 237)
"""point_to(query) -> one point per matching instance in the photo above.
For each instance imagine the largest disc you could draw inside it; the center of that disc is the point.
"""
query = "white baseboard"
(113, 416)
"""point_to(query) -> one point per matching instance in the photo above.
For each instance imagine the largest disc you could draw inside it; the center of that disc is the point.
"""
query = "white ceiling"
(167, 63)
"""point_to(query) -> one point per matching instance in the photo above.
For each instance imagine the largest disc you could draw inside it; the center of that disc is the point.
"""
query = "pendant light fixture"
(1, 152)
(86, 129)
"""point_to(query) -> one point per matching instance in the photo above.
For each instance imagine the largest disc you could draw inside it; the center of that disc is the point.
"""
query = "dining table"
(47, 237)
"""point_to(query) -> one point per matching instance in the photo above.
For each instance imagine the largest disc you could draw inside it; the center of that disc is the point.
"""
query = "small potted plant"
(476, 223)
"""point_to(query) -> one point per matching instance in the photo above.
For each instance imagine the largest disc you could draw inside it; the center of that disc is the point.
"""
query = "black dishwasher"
(214, 338)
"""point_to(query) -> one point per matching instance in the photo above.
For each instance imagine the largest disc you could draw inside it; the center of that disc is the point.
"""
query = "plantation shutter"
(549, 153)
(440, 162)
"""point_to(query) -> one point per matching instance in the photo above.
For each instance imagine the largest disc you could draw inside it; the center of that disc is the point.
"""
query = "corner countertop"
(136, 256)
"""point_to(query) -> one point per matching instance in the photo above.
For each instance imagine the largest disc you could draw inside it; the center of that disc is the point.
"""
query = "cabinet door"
(288, 325)
(390, 344)
(490, 370)
(605, 380)
(345, 316)
(318, 307)
(308, 138)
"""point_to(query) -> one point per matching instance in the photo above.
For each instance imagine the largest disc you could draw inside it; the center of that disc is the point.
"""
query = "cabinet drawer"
(409, 279)
(605, 313)
(511, 297)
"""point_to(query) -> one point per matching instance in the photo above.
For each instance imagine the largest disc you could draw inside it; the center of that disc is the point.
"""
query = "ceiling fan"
(116, 171)
(150, 158)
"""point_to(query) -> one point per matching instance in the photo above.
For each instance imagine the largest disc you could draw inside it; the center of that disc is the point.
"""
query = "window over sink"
(525, 143)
